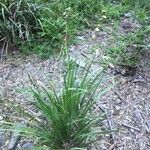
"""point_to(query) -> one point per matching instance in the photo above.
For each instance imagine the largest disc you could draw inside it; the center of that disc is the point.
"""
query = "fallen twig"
(118, 96)
(112, 146)
(83, 54)
(131, 127)
(3, 66)
(14, 142)
(109, 123)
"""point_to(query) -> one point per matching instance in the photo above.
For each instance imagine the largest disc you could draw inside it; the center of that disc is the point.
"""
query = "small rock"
(1, 118)
(123, 72)
(81, 63)
(93, 36)
(80, 37)
(138, 115)
(115, 72)
(128, 14)
(133, 131)
(118, 101)
(27, 145)
(117, 108)
(111, 65)
(97, 52)
(129, 139)
(96, 29)
(123, 80)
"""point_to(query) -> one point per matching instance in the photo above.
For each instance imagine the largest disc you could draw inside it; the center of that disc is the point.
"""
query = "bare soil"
(127, 105)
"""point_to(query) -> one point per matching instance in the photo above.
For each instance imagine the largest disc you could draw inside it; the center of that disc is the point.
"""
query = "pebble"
(115, 71)
(117, 108)
(111, 65)
(129, 14)
(81, 63)
(27, 145)
(80, 37)
(118, 101)
(133, 131)
(129, 139)
(1, 118)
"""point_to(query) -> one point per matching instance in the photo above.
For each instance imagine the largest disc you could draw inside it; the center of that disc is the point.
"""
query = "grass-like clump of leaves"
(67, 120)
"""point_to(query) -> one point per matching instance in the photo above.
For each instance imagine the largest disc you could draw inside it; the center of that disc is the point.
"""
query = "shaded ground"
(127, 105)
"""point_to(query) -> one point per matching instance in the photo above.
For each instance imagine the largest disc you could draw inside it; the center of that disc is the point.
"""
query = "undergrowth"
(46, 27)
(127, 49)
(56, 21)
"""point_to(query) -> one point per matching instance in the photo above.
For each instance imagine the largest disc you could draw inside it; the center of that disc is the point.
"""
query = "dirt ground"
(127, 105)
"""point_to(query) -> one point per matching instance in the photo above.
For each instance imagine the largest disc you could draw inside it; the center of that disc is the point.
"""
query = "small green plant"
(67, 120)
(125, 50)
(120, 56)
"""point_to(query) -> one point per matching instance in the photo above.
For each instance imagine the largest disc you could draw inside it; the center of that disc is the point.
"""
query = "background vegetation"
(44, 27)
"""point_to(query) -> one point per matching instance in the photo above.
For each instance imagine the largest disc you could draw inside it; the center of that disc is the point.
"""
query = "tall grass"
(17, 18)
(17, 21)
